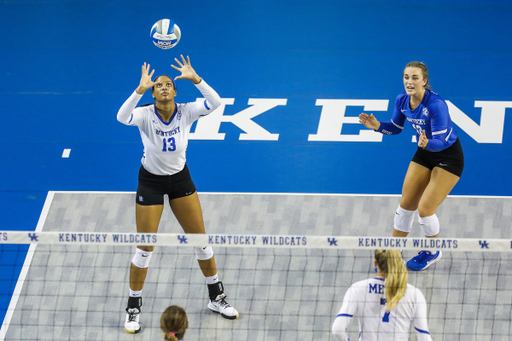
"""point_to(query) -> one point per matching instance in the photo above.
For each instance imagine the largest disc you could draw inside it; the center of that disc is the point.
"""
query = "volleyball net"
(74, 285)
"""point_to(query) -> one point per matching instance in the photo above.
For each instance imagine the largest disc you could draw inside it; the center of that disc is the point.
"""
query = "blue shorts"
(152, 188)
(450, 159)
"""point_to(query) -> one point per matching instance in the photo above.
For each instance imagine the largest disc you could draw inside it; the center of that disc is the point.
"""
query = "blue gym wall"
(67, 66)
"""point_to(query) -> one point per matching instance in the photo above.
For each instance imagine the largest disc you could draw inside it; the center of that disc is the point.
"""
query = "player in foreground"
(164, 127)
(437, 165)
(174, 323)
(385, 305)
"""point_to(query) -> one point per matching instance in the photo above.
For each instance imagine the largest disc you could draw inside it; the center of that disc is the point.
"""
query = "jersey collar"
(172, 117)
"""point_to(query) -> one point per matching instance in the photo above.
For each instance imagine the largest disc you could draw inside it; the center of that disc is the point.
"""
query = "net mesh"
(79, 292)
(69, 290)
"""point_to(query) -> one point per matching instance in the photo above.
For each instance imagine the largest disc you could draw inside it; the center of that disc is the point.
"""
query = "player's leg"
(148, 211)
(188, 212)
(440, 185)
(415, 182)
(147, 219)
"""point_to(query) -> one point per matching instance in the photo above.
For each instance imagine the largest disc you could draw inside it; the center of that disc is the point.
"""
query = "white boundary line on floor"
(24, 270)
(306, 194)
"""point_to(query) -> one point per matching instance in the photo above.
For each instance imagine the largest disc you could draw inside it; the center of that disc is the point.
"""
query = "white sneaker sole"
(134, 331)
(229, 317)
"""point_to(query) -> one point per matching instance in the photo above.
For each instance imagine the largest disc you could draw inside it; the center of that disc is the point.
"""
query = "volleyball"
(165, 34)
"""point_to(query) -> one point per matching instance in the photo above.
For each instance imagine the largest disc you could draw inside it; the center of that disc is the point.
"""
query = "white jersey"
(366, 300)
(165, 143)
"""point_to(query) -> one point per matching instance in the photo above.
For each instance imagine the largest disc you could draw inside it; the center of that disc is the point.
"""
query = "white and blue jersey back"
(366, 299)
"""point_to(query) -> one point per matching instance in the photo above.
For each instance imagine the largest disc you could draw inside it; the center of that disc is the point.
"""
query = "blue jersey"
(430, 116)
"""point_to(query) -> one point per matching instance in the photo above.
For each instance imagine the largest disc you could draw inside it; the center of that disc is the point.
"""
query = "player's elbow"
(123, 119)
(214, 103)
(339, 333)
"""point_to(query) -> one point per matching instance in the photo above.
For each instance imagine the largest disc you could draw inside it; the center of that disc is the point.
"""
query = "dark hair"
(424, 72)
(172, 81)
(174, 323)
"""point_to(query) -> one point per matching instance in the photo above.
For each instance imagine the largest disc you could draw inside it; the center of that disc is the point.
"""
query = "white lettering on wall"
(333, 117)
(492, 120)
(207, 127)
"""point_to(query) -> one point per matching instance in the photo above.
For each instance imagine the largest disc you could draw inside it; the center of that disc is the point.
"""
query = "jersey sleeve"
(126, 114)
(396, 125)
(202, 108)
(420, 318)
(347, 311)
(440, 126)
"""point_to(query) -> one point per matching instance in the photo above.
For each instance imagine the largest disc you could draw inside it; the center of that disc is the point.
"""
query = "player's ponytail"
(391, 265)
(174, 323)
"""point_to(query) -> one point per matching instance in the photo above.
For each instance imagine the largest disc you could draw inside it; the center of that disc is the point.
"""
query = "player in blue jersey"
(164, 128)
(437, 165)
(385, 305)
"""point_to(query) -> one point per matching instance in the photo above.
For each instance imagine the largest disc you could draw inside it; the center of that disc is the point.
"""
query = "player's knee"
(146, 248)
(408, 205)
(203, 253)
(403, 219)
(141, 258)
(426, 209)
(429, 225)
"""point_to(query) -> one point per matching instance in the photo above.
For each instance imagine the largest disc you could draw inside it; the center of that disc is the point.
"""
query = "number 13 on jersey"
(417, 128)
(169, 145)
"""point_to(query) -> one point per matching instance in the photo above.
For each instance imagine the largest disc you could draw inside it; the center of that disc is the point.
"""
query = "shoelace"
(422, 255)
(220, 300)
(132, 314)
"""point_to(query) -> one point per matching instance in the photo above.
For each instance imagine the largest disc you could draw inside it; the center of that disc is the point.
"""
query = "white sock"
(212, 279)
(135, 293)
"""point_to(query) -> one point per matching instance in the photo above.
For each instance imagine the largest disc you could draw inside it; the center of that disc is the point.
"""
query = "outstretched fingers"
(145, 79)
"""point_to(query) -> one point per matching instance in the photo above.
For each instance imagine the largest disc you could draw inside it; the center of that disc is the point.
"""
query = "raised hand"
(187, 72)
(369, 121)
(423, 141)
(145, 79)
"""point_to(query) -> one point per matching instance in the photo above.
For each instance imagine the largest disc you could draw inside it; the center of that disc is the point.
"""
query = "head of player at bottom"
(174, 323)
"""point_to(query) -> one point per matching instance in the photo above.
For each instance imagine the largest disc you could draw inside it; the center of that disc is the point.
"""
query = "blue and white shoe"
(423, 260)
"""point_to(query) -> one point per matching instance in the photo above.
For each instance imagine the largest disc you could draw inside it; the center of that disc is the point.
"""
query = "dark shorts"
(152, 188)
(450, 159)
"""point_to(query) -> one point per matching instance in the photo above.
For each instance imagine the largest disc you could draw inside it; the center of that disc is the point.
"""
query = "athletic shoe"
(131, 324)
(218, 302)
(219, 305)
(423, 260)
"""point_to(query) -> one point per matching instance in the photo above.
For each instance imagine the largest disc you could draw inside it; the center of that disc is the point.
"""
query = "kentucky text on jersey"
(168, 133)
(85, 237)
(412, 120)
